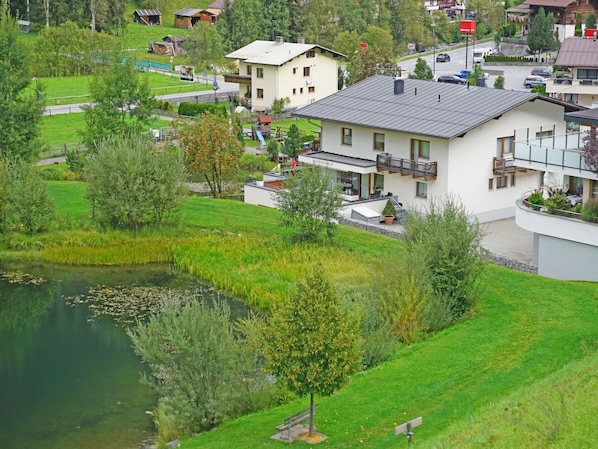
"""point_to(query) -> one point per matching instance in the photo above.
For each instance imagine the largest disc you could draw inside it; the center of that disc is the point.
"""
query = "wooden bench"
(292, 421)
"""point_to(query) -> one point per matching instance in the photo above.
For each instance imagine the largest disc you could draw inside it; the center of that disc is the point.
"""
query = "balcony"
(406, 167)
(236, 78)
(562, 153)
(505, 165)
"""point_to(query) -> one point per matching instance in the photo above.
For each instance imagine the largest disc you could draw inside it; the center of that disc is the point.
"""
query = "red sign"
(590, 33)
(467, 26)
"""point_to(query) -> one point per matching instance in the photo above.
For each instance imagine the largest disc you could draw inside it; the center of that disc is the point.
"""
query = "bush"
(503, 58)
(589, 211)
(192, 109)
(557, 202)
(536, 198)
(389, 209)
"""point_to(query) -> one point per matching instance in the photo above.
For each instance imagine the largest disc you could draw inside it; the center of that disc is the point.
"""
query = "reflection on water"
(66, 380)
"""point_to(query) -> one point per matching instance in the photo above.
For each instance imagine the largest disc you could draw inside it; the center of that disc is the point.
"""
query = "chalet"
(147, 17)
(300, 72)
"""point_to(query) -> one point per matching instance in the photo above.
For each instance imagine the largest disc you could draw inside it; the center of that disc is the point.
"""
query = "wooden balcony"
(503, 166)
(236, 78)
(406, 167)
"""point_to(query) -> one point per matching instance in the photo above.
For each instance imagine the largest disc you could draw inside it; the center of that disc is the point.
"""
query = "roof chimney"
(399, 85)
(300, 40)
(279, 40)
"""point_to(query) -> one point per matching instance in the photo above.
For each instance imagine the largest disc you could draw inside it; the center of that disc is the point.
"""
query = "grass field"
(519, 373)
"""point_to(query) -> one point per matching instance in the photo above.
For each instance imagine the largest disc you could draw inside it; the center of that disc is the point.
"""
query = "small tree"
(499, 82)
(591, 21)
(590, 149)
(291, 145)
(540, 37)
(123, 103)
(310, 343)
(450, 241)
(422, 71)
(132, 183)
(577, 31)
(310, 203)
(212, 149)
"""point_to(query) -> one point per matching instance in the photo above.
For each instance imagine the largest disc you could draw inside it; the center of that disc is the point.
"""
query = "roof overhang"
(339, 162)
(588, 117)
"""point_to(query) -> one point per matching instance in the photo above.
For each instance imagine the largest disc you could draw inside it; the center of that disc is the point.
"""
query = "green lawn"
(526, 328)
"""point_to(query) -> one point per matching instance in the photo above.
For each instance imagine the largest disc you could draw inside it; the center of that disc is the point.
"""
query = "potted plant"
(389, 212)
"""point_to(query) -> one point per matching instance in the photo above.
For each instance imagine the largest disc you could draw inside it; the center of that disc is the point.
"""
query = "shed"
(24, 26)
(187, 17)
(209, 15)
(163, 48)
(147, 17)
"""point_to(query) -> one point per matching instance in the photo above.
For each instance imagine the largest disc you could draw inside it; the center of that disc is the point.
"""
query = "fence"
(61, 149)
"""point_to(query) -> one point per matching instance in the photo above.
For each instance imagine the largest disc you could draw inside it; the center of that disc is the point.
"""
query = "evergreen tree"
(291, 146)
(540, 37)
(20, 109)
(422, 71)
(591, 21)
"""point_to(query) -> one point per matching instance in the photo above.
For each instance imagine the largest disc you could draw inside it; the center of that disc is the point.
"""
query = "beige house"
(269, 70)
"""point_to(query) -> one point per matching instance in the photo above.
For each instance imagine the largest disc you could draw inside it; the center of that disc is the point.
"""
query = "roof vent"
(399, 85)
(301, 40)
(279, 40)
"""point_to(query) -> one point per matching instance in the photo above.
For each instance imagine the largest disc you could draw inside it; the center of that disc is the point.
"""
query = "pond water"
(70, 378)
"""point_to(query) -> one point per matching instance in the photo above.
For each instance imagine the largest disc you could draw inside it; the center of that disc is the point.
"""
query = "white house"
(416, 140)
(565, 246)
(270, 70)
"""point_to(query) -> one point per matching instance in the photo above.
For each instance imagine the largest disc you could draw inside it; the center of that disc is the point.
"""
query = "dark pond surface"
(69, 379)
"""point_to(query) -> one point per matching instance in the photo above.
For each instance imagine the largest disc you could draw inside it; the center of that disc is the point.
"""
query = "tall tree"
(366, 62)
(291, 146)
(540, 37)
(310, 343)
(321, 21)
(20, 109)
(204, 45)
(241, 23)
(123, 103)
(212, 149)
(276, 13)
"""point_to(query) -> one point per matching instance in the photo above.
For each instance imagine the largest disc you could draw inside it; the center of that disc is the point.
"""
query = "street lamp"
(434, 49)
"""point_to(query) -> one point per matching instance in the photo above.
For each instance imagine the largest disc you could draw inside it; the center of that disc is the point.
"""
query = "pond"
(68, 375)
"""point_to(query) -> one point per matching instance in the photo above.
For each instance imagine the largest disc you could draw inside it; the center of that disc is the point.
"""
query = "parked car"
(443, 57)
(451, 79)
(464, 74)
(534, 81)
(541, 71)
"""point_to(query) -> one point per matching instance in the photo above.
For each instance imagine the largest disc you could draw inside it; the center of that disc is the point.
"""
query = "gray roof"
(187, 12)
(587, 117)
(275, 53)
(147, 12)
(577, 52)
(425, 107)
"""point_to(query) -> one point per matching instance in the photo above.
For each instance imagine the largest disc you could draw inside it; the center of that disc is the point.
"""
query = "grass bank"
(470, 383)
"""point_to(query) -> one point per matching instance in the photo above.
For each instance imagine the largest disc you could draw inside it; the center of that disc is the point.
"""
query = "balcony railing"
(562, 151)
(236, 78)
(425, 170)
(503, 166)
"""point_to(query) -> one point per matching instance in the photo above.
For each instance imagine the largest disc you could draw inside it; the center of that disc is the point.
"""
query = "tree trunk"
(311, 415)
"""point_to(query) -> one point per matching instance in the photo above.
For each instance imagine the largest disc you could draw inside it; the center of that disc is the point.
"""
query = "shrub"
(589, 211)
(192, 109)
(536, 198)
(389, 209)
(557, 202)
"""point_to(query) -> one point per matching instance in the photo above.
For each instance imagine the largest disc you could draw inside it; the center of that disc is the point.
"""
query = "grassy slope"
(526, 328)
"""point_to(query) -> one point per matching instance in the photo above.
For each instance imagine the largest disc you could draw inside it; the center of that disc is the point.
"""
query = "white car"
(534, 81)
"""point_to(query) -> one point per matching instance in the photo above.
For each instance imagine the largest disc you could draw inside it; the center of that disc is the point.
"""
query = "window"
(301, 90)
(347, 134)
(294, 91)
(310, 54)
(587, 74)
(571, 98)
(490, 184)
(259, 72)
(294, 70)
(504, 145)
(420, 149)
(260, 93)
(378, 142)
(348, 181)
(249, 70)
(502, 182)
(311, 89)
(594, 189)
(421, 189)
(305, 71)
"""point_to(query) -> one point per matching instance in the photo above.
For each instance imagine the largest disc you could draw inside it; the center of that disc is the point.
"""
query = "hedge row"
(193, 109)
